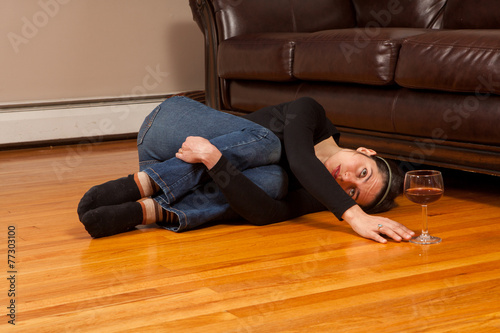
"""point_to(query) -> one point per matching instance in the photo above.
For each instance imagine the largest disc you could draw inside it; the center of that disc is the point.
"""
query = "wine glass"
(424, 187)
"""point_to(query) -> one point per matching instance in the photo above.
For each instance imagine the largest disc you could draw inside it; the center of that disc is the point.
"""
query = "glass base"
(425, 240)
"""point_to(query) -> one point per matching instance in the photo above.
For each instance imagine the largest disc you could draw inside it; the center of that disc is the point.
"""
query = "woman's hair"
(392, 177)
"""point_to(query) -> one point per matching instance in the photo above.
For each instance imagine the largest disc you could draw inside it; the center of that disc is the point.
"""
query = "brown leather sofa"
(416, 80)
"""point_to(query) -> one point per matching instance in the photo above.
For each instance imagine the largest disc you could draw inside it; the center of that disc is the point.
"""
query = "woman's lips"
(336, 172)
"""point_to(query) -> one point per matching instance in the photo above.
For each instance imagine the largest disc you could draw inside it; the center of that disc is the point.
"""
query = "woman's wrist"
(351, 213)
(211, 158)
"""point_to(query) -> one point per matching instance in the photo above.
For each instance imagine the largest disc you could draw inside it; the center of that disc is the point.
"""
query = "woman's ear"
(366, 151)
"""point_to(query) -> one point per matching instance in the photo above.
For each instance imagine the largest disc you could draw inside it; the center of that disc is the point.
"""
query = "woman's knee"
(161, 134)
(274, 147)
(266, 149)
(272, 179)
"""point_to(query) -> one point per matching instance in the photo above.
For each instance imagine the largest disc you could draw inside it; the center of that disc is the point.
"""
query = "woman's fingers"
(402, 231)
(389, 232)
(376, 237)
(395, 230)
(196, 149)
(374, 227)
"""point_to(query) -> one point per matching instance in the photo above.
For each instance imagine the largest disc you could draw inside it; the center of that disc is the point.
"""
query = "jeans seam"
(256, 138)
(169, 194)
(142, 134)
(148, 162)
(181, 215)
(187, 175)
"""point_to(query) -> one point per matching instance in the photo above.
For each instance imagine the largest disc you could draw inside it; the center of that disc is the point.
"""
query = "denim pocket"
(146, 125)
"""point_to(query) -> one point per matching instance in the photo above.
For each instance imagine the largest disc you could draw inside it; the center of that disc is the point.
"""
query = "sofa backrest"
(236, 17)
(472, 14)
(399, 13)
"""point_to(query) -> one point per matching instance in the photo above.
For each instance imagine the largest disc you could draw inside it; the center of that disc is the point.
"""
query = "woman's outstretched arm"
(306, 116)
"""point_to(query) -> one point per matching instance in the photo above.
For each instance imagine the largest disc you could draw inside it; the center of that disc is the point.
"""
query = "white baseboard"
(21, 126)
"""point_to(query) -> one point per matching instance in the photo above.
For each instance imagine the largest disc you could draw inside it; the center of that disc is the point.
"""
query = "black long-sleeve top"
(299, 125)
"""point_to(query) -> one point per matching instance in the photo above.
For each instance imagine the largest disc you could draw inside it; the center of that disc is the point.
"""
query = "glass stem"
(425, 231)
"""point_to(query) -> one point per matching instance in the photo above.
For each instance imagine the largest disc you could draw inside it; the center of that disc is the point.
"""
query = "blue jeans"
(186, 189)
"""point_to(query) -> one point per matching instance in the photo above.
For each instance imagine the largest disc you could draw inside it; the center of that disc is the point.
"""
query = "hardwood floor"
(311, 274)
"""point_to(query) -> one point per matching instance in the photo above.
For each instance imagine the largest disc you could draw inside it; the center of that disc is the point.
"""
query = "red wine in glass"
(424, 195)
(424, 187)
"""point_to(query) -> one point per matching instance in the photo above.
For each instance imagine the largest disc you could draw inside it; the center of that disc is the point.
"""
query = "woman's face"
(356, 173)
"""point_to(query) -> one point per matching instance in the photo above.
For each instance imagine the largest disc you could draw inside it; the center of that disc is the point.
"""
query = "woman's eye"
(363, 173)
(352, 192)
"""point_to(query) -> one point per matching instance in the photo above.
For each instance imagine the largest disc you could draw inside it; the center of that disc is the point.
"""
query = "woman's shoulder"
(308, 100)
(307, 106)
(313, 115)
(302, 112)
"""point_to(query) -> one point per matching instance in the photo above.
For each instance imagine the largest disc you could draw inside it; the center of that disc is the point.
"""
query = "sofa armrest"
(204, 16)
(240, 17)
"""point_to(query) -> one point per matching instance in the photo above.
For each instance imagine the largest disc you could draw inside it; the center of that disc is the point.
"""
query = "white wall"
(58, 51)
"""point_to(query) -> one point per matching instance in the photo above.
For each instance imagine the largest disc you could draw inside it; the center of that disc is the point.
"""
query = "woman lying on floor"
(199, 165)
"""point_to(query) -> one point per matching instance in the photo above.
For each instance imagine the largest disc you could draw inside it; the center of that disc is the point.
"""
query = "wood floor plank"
(310, 274)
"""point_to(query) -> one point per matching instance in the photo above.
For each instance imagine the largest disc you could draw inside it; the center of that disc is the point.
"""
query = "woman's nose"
(346, 177)
(349, 178)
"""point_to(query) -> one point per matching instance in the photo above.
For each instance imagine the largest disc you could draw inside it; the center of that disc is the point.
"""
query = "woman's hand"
(199, 150)
(368, 226)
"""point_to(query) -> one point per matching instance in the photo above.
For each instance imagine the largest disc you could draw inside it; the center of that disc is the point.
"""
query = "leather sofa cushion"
(356, 106)
(450, 117)
(456, 60)
(472, 14)
(439, 117)
(343, 55)
(398, 13)
(350, 55)
(267, 57)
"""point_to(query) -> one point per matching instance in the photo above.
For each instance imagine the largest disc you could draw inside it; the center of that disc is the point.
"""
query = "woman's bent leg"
(243, 142)
(207, 203)
(245, 149)
(168, 125)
